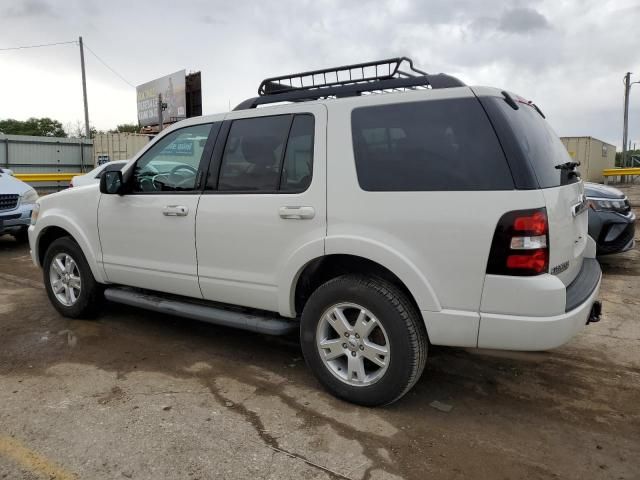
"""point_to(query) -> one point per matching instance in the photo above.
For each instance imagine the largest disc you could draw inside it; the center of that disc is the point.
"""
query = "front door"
(264, 206)
(148, 234)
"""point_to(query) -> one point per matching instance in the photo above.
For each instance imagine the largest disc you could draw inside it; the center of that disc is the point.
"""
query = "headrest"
(259, 150)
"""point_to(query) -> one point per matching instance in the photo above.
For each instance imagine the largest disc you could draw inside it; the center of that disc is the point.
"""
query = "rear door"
(264, 204)
(534, 151)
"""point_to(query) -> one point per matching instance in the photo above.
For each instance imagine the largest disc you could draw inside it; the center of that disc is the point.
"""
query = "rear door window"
(298, 158)
(268, 155)
(431, 145)
(253, 153)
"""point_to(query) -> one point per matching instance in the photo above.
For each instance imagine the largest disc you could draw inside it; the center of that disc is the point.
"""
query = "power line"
(38, 46)
(105, 64)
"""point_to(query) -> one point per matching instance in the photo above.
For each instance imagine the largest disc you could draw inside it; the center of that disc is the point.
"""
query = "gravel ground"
(140, 395)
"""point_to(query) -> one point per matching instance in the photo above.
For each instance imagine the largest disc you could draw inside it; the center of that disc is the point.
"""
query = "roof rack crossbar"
(349, 80)
(338, 76)
(391, 84)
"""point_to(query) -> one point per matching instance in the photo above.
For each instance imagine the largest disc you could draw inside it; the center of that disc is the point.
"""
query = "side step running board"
(211, 314)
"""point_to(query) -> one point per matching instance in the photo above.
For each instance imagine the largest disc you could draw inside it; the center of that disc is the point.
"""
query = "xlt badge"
(560, 268)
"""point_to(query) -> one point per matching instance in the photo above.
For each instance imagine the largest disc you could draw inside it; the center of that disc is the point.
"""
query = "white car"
(374, 225)
(93, 176)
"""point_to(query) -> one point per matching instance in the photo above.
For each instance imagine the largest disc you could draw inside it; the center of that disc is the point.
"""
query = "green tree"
(126, 128)
(635, 153)
(42, 127)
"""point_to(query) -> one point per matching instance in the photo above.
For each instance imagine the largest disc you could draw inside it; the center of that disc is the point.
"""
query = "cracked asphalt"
(141, 395)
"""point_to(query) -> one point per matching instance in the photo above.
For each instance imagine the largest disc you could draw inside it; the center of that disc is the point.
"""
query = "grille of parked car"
(8, 201)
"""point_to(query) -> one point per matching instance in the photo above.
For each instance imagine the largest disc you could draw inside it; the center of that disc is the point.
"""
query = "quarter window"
(434, 145)
(172, 163)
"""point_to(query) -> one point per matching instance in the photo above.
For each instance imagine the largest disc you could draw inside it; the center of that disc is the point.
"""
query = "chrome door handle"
(175, 211)
(296, 213)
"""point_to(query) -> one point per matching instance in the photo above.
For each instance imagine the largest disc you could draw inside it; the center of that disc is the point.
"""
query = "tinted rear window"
(432, 145)
(538, 143)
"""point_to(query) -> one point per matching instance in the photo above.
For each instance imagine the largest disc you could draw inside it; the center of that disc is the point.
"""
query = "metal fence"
(52, 155)
(27, 154)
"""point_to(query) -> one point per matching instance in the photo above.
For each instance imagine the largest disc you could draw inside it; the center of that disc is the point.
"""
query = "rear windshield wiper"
(567, 166)
(538, 109)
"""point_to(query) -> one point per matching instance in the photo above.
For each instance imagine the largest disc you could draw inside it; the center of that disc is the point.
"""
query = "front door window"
(172, 164)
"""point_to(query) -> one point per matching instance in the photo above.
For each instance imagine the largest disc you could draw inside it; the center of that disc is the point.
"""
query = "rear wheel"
(70, 285)
(363, 339)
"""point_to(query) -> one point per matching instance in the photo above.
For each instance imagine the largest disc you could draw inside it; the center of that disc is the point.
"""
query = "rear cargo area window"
(537, 143)
(433, 145)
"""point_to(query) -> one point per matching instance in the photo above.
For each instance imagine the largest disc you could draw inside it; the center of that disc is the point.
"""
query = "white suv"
(375, 224)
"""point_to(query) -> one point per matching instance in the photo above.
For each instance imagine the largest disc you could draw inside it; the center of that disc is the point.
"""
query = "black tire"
(21, 236)
(91, 297)
(404, 327)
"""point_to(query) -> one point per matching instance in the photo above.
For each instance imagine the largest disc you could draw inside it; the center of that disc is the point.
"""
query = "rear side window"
(298, 159)
(268, 154)
(253, 153)
(537, 142)
(433, 145)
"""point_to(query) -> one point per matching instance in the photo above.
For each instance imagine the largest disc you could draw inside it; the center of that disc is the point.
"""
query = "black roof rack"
(393, 74)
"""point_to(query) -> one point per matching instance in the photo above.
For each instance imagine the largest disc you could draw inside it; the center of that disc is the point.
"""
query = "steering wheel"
(179, 180)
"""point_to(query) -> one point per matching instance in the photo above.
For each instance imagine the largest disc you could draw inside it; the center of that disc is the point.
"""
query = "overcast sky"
(569, 56)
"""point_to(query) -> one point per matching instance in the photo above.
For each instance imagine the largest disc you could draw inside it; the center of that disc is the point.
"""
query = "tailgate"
(539, 160)
(568, 225)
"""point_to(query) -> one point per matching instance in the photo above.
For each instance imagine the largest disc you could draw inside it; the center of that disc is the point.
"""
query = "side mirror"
(7, 171)
(111, 182)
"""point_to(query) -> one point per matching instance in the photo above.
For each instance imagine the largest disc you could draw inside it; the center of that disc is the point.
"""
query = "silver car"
(16, 203)
(94, 175)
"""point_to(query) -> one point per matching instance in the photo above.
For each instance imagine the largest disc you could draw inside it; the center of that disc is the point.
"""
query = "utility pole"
(625, 124)
(87, 129)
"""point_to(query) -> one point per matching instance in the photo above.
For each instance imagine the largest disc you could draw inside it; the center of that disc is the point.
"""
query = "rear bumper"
(516, 332)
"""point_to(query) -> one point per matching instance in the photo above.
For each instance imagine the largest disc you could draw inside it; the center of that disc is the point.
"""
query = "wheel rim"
(353, 344)
(64, 277)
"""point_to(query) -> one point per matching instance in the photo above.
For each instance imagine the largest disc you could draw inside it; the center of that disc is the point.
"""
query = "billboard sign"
(172, 88)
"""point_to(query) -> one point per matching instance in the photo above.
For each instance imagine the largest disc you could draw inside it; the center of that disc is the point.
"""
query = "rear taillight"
(520, 244)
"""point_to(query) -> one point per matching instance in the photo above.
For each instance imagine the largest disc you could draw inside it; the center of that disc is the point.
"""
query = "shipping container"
(594, 156)
(117, 146)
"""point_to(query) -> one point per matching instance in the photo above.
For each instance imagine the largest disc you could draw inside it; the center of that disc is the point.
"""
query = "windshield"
(538, 143)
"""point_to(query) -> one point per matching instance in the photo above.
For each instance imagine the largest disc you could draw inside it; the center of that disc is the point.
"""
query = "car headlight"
(607, 205)
(30, 196)
(34, 213)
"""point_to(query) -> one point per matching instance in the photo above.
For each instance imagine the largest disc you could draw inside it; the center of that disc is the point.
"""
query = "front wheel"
(363, 339)
(70, 285)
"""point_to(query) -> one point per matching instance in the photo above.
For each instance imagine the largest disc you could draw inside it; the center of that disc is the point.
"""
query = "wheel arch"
(323, 268)
(49, 233)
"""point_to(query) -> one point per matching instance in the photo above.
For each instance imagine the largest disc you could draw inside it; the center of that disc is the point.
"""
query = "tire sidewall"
(87, 283)
(398, 373)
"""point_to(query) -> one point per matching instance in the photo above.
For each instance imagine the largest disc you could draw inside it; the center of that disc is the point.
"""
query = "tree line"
(48, 127)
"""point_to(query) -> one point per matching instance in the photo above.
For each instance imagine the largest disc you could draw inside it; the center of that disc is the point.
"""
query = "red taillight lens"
(535, 224)
(538, 261)
(520, 244)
